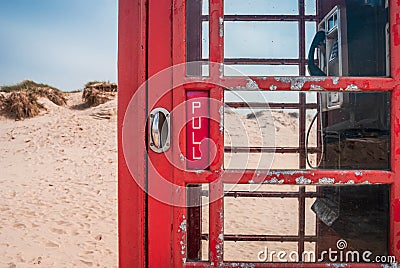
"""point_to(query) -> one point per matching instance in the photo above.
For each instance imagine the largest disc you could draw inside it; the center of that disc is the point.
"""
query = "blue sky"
(64, 43)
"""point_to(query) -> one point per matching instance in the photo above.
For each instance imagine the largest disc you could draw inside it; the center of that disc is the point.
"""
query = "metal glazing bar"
(270, 194)
(271, 105)
(264, 17)
(282, 150)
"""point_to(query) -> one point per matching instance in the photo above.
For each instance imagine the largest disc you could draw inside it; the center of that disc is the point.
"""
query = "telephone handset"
(318, 42)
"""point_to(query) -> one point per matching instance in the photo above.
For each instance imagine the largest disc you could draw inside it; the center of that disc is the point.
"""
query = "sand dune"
(58, 205)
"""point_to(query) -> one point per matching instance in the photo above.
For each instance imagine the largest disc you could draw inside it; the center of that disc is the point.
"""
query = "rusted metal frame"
(319, 133)
(302, 130)
(295, 177)
(269, 238)
(350, 84)
(216, 207)
(319, 15)
(265, 194)
(263, 17)
(216, 37)
(302, 38)
(216, 224)
(261, 61)
(292, 83)
(395, 129)
(319, 137)
(302, 177)
(282, 150)
(302, 221)
(201, 264)
(271, 105)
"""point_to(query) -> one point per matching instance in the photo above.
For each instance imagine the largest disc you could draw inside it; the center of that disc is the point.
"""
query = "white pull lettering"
(194, 124)
(195, 105)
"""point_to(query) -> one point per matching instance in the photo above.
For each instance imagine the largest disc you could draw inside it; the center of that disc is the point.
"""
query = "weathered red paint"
(396, 31)
(396, 206)
(396, 126)
(131, 198)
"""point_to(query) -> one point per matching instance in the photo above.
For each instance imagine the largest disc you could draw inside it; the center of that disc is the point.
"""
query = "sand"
(58, 187)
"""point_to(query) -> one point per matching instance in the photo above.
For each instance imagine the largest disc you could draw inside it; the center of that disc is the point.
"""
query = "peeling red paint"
(396, 31)
(398, 245)
(396, 127)
(396, 208)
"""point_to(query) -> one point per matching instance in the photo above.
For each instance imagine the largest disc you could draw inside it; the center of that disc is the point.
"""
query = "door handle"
(159, 130)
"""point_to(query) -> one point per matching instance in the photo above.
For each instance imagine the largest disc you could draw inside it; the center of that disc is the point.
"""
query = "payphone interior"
(353, 40)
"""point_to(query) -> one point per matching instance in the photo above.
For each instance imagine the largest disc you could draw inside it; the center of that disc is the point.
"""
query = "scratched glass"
(353, 218)
(261, 70)
(273, 40)
(313, 130)
(257, 34)
(307, 222)
(261, 7)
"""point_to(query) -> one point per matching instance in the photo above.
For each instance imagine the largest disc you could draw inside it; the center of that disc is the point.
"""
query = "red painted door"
(171, 166)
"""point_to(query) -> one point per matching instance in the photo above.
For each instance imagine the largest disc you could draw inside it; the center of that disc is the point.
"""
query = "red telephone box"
(173, 153)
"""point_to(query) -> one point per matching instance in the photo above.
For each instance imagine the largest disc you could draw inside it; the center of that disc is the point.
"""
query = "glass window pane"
(197, 215)
(356, 130)
(261, 70)
(310, 30)
(205, 41)
(276, 216)
(343, 219)
(353, 45)
(342, 130)
(358, 215)
(261, 7)
(205, 6)
(310, 7)
(264, 96)
(271, 40)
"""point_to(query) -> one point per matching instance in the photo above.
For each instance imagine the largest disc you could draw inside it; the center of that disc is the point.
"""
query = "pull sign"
(197, 129)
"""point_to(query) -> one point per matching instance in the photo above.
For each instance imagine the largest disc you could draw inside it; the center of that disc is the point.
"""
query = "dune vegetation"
(96, 93)
(21, 100)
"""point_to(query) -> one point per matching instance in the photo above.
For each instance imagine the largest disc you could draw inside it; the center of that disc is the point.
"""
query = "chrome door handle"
(159, 130)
